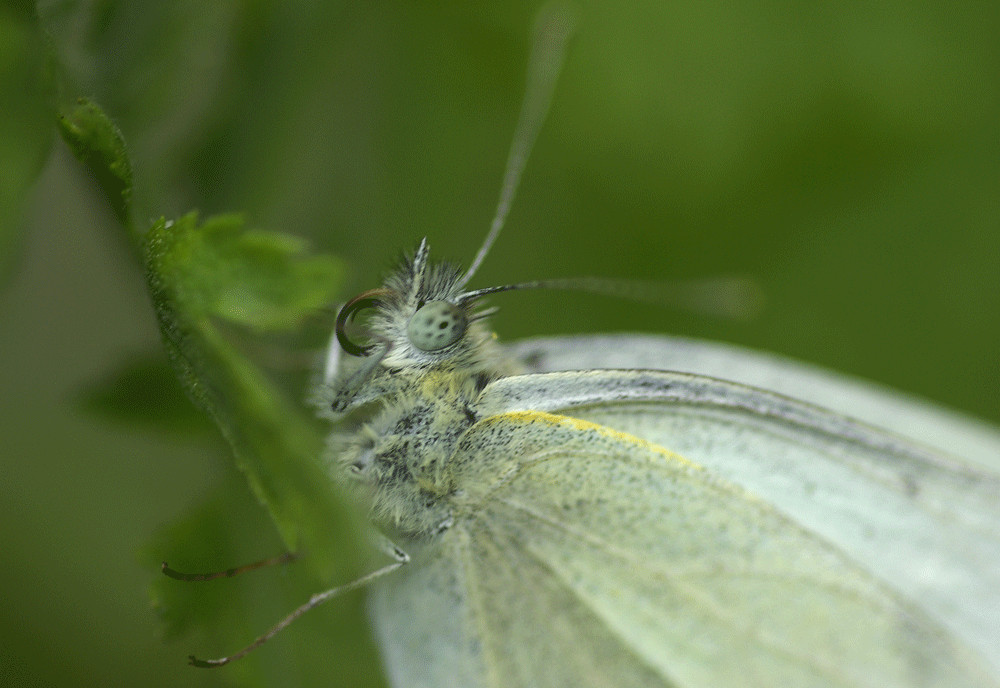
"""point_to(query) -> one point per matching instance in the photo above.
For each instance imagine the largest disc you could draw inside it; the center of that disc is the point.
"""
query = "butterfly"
(649, 511)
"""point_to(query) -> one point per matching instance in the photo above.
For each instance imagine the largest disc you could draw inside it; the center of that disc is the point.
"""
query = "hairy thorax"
(401, 457)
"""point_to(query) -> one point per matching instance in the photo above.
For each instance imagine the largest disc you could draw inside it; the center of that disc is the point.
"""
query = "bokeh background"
(844, 155)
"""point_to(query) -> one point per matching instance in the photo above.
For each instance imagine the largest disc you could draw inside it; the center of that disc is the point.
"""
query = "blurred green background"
(845, 155)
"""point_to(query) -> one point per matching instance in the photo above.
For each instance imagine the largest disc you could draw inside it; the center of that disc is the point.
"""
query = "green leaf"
(209, 280)
(98, 143)
(212, 284)
(145, 393)
(228, 528)
(204, 275)
(217, 617)
(262, 280)
(27, 93)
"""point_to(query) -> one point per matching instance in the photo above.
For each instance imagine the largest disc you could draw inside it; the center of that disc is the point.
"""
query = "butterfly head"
(420, 320)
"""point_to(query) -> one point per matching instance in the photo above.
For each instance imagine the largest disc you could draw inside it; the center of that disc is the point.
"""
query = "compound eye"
(436, 325)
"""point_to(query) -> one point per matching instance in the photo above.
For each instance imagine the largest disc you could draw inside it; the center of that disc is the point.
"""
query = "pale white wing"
(474, 609)
(423, 621)
(925, 525)
(579, 557)
(919, 420)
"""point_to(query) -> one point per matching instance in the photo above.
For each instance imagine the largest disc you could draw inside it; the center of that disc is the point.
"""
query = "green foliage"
(845, 158)
(208, 537)
(201, 273)
(208, 282)
(98, 143)
(217, 617)
(144, 393)
(219, 269)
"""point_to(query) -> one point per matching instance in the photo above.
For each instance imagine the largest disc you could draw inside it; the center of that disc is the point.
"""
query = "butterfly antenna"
(548, 51)
(730, 297)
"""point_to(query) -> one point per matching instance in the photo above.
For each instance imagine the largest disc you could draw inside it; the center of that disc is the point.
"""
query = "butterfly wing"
(581, 556)
(919, 420)
(925, 526)
(473, 611)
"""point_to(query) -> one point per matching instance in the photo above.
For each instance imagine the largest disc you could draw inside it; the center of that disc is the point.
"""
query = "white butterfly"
(573, 514)
(612, 525)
